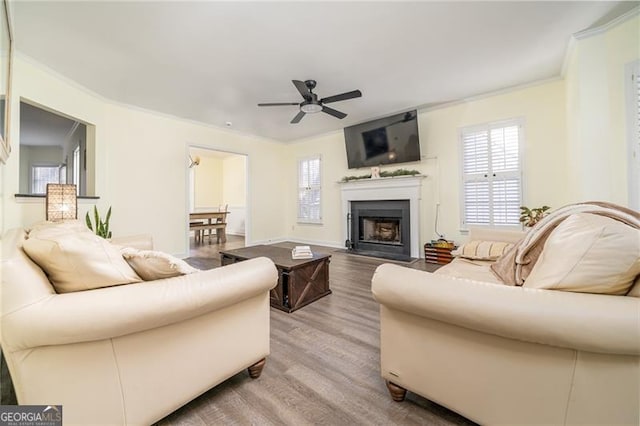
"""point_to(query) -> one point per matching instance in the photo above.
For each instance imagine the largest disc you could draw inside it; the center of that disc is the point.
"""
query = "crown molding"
(591, 32)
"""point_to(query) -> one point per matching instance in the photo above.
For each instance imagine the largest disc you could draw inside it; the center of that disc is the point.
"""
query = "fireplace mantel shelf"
(385, 181)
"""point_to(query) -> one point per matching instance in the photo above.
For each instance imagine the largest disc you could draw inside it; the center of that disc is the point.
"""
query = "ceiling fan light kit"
(311, 104)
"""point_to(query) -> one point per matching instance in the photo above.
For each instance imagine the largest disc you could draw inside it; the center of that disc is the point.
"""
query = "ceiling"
(42, 128)
(213, 62)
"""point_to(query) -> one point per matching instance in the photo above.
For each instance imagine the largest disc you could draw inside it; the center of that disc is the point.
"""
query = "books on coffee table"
(301, 252)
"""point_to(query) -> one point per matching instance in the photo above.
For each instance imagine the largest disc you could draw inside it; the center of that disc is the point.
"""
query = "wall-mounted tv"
(388, 140)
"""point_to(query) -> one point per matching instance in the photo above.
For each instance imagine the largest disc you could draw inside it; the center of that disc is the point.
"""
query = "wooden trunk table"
(300, 282)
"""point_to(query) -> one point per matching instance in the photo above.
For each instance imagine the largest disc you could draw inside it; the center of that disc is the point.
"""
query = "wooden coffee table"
(300, 282)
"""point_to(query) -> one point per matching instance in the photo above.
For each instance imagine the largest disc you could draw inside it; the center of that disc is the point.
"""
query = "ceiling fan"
(311, 104)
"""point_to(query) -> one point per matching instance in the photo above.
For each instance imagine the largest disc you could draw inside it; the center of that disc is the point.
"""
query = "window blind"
(491, 176)
(309, 190)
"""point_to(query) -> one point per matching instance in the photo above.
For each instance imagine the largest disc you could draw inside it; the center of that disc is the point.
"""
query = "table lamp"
(62, 202)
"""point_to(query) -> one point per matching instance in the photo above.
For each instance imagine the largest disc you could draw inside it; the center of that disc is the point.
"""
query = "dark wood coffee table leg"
(256, 369)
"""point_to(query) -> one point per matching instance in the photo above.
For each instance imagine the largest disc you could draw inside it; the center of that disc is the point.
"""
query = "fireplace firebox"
(381, 228)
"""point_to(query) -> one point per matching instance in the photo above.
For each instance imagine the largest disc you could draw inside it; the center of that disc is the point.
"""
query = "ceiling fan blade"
(302, 88)
(279, 104)
(342, 97)
(333, 112)
(298, 117)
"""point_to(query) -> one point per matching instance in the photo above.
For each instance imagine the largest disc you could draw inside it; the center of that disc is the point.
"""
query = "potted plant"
(530, 217)
(101, 227)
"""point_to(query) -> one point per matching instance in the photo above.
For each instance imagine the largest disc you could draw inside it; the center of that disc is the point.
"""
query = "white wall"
(541, 106)
(596, 114)
(234, 188)
(141, 163)
(208, 177)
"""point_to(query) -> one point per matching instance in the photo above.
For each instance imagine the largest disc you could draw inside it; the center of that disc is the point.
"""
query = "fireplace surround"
(381, 228)
(407, 188)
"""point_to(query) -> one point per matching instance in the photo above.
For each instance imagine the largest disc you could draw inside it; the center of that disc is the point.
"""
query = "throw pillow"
(154, 265)
(588, 253)
(482, 250)
(635, 288)
(48, 228)
(79, 261)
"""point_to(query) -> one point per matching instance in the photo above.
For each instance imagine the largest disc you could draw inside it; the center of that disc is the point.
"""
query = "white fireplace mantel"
(395, 188)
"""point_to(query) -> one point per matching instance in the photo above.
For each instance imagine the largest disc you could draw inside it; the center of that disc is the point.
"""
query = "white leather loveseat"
(130, 354)
(500, 354)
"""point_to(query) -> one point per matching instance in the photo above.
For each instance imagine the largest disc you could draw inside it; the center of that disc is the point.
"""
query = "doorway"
(218, 181)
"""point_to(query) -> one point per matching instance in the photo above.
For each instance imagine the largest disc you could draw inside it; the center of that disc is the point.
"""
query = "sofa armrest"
(140, 242)
(581, 321)
(116, 311)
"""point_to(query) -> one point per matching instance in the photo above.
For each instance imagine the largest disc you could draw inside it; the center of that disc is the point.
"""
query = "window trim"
(489, 125)
(308, 221)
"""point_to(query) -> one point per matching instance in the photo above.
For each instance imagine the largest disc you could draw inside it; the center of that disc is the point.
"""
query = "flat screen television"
(389, 140)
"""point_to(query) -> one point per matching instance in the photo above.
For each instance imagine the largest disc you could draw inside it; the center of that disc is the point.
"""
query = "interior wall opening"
(217, 182)
(54, 148)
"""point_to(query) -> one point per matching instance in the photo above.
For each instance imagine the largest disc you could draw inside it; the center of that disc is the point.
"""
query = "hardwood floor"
(324, 366)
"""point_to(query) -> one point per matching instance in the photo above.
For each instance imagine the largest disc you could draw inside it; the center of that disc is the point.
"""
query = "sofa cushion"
(76, 261)
(482, 250)
(154, 265)
(588, 253)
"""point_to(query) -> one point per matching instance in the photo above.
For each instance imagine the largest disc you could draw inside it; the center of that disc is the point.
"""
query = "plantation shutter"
(491, 176)
(309, 190)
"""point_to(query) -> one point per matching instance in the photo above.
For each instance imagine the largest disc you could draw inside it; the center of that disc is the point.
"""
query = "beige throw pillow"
(482, 250)
(51, 229)
(635, 288)
(588, 253)
(155, 265)
(79, 261)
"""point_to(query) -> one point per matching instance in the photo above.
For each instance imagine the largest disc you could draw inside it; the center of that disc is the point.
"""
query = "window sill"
(309, 222)
(34, 198)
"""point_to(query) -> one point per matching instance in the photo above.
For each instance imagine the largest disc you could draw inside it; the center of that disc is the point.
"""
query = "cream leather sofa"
(499, 354)
(130, 354)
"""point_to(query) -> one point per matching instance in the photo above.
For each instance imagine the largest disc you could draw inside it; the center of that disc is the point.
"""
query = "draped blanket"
(514, 267)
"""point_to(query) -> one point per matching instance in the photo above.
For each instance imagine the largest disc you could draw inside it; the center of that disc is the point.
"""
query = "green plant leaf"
(87, 219)
(106, 222)
(96, 216)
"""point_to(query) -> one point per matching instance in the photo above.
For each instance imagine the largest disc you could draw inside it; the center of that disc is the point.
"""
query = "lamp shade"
(62, 202)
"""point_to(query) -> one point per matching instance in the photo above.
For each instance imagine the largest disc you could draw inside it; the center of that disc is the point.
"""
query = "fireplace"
(381, 228)
(403, 188)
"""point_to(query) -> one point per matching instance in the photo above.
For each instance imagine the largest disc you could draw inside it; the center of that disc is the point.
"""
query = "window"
(41, 176)
(76, 168)
(491, 175)
(309, 190)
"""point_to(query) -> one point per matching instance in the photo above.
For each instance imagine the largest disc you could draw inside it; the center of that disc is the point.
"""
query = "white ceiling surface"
(214, 61)
(42, 128)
